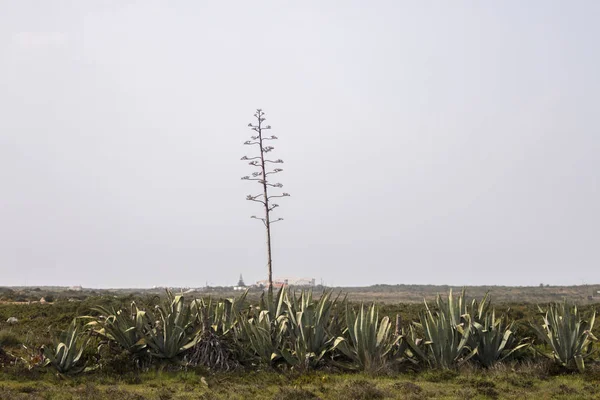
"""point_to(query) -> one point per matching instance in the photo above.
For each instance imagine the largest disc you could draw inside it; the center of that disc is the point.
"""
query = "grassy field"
(521, 382)
(530, 377)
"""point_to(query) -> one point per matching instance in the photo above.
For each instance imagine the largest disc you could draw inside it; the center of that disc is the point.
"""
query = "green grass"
(503, 383)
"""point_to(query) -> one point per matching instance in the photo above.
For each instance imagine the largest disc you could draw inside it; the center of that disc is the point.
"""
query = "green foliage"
(456, 308)
(369, 342)
(494, 339)
(311, 329)
(458, 331)
(116, 361)
(170, 329)
(274, 305)
(8, 338)
(302, 331)
(261, 338)
(446, 333)
(262, 334)
(122, 327)
(66, 353)
(569, 336)
(221, 316)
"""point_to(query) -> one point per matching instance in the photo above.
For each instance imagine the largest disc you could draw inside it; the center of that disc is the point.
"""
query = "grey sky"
(424, 142)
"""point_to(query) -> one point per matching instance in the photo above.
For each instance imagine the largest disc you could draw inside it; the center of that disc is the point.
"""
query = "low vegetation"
(314, 338)
(65, 354)
(568, 336)
(367, 340)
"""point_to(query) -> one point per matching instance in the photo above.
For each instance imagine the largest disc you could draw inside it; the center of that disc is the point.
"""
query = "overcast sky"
(424, 141)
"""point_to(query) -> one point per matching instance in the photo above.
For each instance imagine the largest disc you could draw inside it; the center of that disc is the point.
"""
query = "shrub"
(8, 338)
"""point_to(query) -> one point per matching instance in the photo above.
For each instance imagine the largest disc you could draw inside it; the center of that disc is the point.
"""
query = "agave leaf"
(580, 363)
(468, 356)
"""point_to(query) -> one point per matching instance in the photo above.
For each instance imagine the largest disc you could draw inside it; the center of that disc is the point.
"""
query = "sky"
(425, 142)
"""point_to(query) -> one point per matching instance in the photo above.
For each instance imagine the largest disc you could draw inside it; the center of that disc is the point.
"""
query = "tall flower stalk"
(265, 171)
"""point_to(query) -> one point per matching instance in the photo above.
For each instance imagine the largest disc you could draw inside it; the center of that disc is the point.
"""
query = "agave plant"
(369, 341)
(260, 334)
(311, 329)
(170, 329)
(218, 319)
(568, 335)
(221, 316)
(121, 327)
(261, 338)
(66, 353)
(494, 339)
(446, 335)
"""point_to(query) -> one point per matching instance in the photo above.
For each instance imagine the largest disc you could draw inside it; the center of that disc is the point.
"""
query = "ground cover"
(108, 371)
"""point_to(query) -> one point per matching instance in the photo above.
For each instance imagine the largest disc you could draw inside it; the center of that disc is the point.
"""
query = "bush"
(8, 338)
(117, 361)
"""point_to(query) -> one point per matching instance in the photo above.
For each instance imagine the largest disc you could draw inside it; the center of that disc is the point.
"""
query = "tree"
(265, 170)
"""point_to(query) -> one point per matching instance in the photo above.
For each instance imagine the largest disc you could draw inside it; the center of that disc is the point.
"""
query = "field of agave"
(300, 332)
